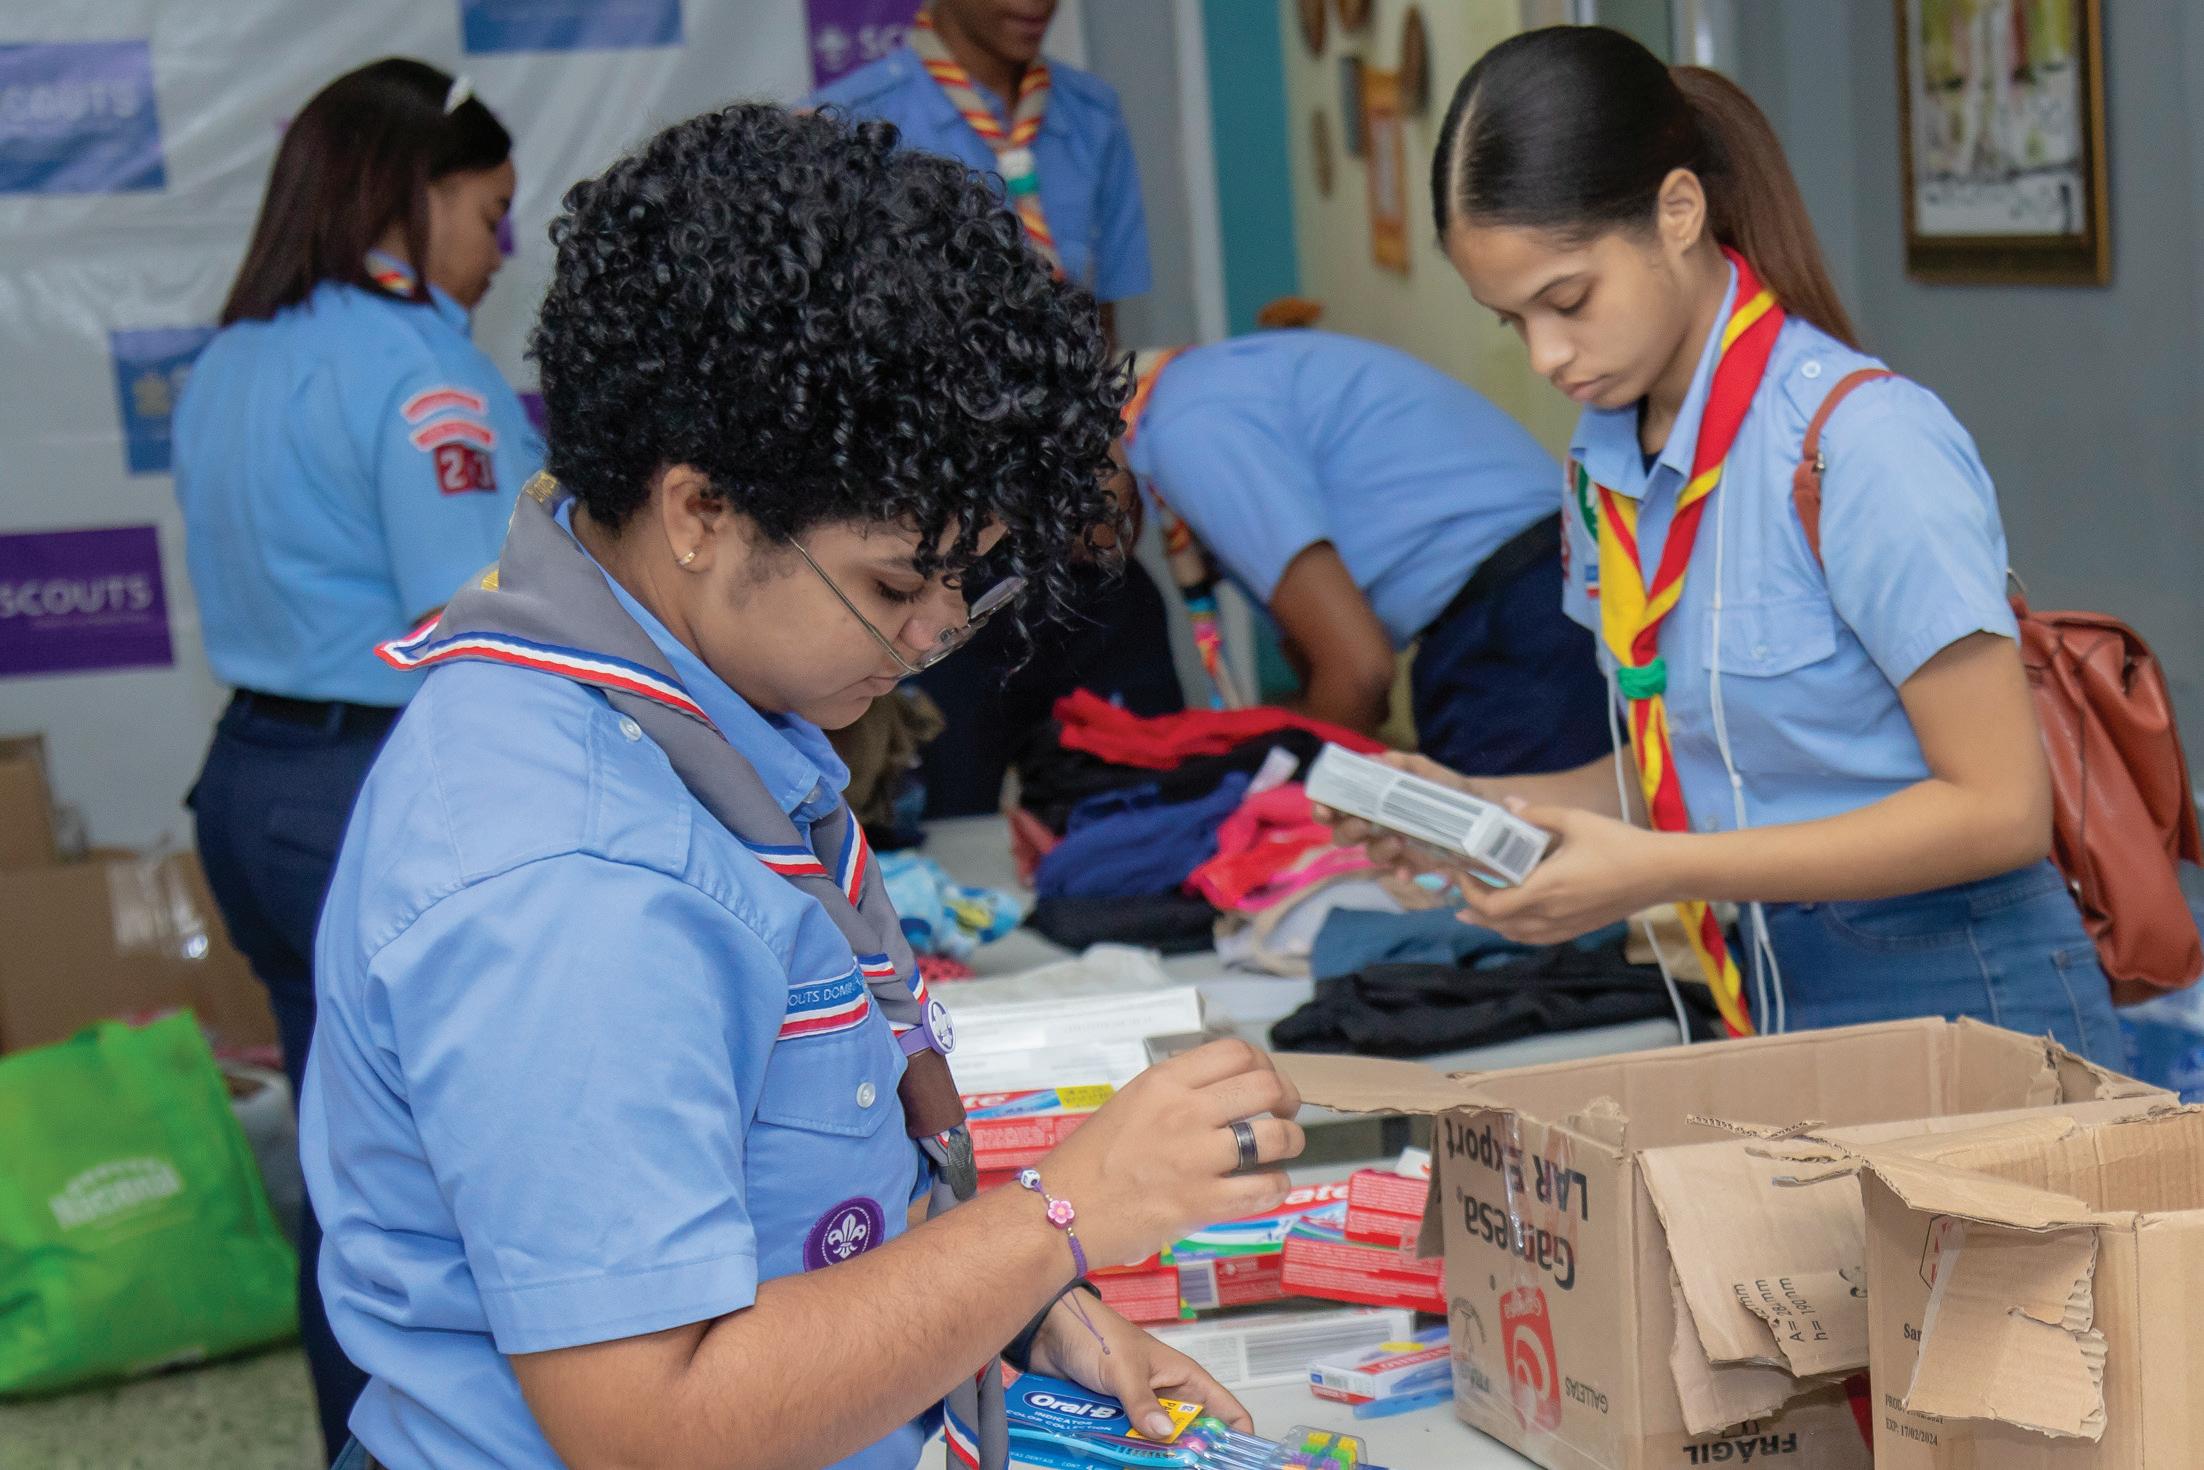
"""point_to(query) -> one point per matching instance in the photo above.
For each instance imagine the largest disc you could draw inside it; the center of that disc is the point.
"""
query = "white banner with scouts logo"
(135, 140)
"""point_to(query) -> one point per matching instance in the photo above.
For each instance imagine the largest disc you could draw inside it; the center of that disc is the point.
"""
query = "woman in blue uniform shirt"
(345, 458)
(1858, 755)
(625, 1080)
(1372, 503)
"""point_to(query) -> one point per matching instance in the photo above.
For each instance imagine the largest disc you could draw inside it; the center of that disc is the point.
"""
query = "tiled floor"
(247, 1414)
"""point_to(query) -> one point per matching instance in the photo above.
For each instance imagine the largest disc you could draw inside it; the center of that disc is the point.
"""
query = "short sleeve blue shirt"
(1082, 159)
(1810, 659)
(342, 468)
(555, 1096)
(1267, 444)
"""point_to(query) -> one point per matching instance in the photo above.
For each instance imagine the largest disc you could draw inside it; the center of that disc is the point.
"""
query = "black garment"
(1411, 1010)
(1053, 780)
(1175, 923)
(1118, 644)
(272, 803)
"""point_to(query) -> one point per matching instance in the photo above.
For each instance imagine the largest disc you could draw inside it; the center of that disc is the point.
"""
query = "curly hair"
(829, 329)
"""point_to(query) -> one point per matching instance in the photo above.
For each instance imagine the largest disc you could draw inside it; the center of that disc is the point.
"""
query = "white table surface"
(1426, 1439)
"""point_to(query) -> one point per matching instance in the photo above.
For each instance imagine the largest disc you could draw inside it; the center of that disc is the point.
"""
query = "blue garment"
(1082, 159)
(342, 468)
(550, 1101)
(1355, 939)
(2009, 950)
(1129, 844)
(1267, 444)
(939, 915)
(1810, 663)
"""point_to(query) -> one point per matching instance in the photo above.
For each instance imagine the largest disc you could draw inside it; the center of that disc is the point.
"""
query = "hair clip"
(462, 88)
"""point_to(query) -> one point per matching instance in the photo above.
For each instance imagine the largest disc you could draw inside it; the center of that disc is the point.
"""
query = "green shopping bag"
(134, 1233)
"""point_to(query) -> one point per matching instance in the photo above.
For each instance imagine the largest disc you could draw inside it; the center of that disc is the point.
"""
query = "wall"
(2087, 402)
(1254, 179)
(1134, 47)
(1427, 312)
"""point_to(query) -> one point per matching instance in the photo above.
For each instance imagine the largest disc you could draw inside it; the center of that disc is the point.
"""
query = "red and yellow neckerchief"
(1632, 610)
(1013, 150)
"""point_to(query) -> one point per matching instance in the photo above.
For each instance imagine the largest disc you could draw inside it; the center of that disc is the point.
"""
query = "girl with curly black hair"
(616, 1015)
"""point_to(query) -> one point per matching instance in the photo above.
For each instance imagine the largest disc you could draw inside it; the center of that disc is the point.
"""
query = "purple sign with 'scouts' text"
(847, 34)
(72, 601)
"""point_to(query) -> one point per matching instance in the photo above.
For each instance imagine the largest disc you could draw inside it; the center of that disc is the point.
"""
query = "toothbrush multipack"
(1056, 1425)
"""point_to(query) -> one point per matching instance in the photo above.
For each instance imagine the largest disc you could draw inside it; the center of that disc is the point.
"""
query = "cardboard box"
(2037, 1293)
(26, 804)
(120, 936)
(1612, 1262)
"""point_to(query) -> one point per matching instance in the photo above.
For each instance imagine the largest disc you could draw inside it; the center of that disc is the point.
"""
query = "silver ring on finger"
(1243, 1139)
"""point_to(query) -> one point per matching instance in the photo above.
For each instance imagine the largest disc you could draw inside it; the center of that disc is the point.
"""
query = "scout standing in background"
(1840, 731)
(972, 85)
(1372, 503)
(345, 458)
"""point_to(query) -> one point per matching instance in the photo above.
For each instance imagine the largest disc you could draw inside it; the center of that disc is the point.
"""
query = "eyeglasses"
(949, 640)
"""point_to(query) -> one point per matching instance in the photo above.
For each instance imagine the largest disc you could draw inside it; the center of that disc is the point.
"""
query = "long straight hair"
(1572, 129)
(357, 159)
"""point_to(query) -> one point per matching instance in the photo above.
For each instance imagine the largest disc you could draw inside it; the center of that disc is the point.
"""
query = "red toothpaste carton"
(1321, 1264)
(1015, 1130)
(1146, 1291)
(1384, 1208)
(1231, 1281)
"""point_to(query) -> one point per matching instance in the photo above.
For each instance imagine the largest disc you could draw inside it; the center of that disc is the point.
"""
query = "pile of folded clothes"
(1142, 830)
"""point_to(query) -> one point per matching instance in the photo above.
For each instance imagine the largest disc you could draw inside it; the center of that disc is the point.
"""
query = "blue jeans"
(2009, 950)
(272, 803)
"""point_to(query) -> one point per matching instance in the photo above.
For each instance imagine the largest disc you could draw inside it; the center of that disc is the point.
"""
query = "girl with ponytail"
(1834, 732)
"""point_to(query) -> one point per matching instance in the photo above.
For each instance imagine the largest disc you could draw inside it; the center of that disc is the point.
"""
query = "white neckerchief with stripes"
(545, 606)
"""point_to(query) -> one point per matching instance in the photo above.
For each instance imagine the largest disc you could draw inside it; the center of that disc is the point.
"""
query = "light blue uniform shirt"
(1810, 662)
(548, 1101)
(1265, 445)
(1082, 159)
(342, 468)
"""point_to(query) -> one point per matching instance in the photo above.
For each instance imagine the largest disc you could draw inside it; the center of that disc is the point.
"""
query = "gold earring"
(686, 557)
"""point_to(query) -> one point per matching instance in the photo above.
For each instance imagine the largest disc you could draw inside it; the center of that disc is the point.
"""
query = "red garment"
(1158, 743)
(1030, 841)
(1270, 833)
(940, 967)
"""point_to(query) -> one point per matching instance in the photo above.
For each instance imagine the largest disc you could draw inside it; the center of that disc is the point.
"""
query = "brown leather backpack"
(2123, 815)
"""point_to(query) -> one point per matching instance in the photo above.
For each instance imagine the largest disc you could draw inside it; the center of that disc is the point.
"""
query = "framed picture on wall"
(1387, 155)
(2002, 137)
